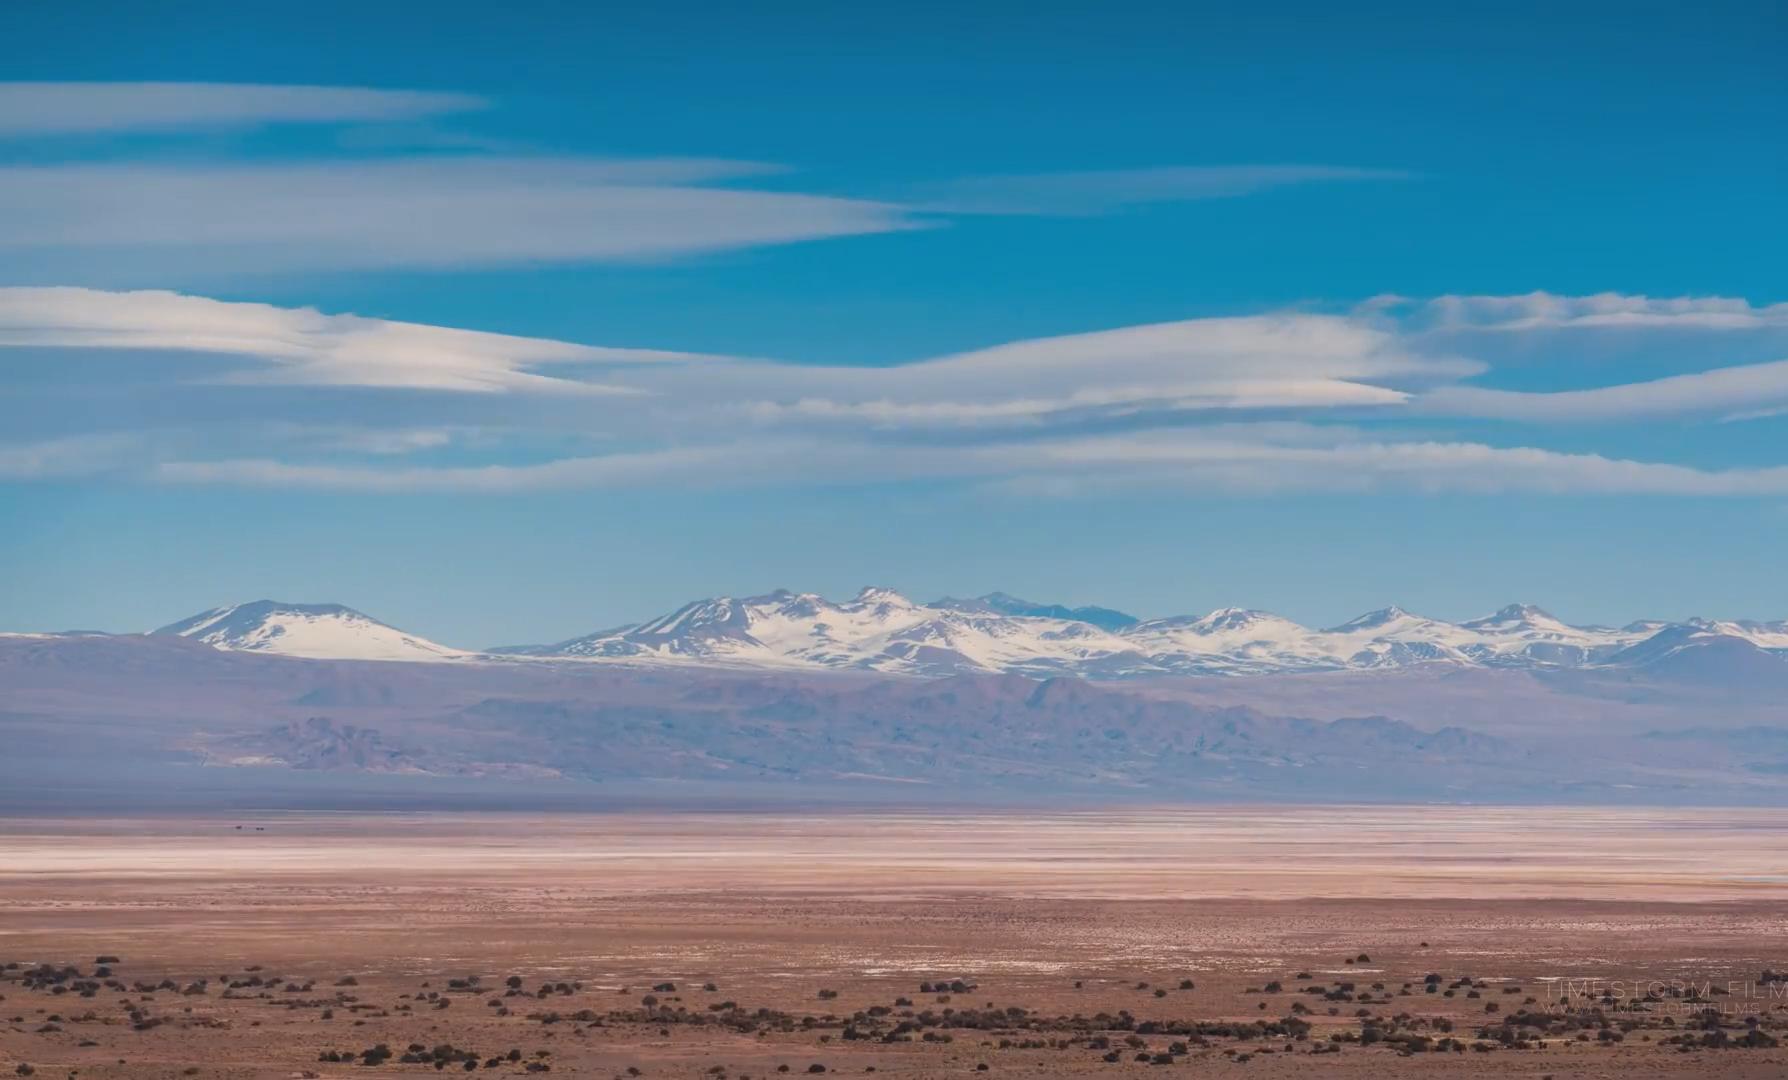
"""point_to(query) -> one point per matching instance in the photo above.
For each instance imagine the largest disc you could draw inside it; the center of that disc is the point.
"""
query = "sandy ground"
(345, 931)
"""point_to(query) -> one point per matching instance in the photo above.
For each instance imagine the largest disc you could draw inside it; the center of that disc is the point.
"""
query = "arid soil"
(1313, 942)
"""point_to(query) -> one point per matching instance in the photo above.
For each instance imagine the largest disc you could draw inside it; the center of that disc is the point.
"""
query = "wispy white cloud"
(73, 455)
(1746, 391)
(1550, 311)
(302, 346)
(50, 108)
(1192, 395)
(395, 441)
(1239, 461)
(137, 453)
(130, 220)
(1241, 464)
(1290, 401)
(1283, 361)
(112, 222)
(1684, 330)
(685, 465)
(360, 440)
(1754, 414)
(1098, 191)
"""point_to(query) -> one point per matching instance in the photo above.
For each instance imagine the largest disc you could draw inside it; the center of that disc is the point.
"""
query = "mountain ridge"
(880, 630)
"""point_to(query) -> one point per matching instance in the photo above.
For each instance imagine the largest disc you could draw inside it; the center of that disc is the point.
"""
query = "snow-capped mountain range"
(881, 630)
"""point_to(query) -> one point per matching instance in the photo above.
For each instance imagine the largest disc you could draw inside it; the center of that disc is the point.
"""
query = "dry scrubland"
(1312, 942)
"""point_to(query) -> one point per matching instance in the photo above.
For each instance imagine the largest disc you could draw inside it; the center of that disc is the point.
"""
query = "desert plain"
(1309, 941)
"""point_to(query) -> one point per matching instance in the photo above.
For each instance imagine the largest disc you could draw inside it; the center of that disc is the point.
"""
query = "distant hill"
(149, 709)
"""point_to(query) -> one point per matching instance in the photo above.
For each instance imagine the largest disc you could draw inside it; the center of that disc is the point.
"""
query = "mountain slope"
(94, 718)
(318, 631)
(1702, 653)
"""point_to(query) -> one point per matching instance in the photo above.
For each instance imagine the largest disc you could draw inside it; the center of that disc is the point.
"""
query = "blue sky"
(1154, 306)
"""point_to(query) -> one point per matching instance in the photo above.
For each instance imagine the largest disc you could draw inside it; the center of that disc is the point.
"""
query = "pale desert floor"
(342, 932)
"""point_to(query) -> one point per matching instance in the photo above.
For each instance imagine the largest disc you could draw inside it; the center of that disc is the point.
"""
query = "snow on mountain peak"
(1516, 615)
(317, 631)
(1372, 620)
(878, 594)
(1234, 618)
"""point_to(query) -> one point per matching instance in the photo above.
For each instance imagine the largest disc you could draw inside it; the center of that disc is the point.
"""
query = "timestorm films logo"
(1667, 994)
